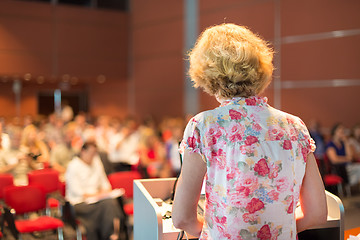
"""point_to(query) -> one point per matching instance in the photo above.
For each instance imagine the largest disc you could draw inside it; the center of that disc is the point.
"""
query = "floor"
(351, 206)
(352, 211)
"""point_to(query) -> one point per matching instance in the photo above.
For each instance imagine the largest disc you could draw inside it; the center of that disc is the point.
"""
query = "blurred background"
(121, 57)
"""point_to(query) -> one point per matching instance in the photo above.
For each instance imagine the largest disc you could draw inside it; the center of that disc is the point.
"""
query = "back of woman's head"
(229, 60)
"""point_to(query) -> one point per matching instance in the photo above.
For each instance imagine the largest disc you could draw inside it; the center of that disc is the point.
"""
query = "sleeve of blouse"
(306, 142)
(191, 139)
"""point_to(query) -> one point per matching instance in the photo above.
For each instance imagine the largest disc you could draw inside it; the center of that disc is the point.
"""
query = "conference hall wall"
(81, 51)
(142, 54)
(317, 54)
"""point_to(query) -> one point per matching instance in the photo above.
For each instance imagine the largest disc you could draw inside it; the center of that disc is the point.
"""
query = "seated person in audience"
(33, 146)
(14, 161)
(77, 139)
(316, 134)
(339, 152)
(85, 178)
(103, 133)
(67, 112)
(5, 143)
(81, 125)
(354, 142)
(123, 146)
(61, 154)
(152, 152)
(53, 130)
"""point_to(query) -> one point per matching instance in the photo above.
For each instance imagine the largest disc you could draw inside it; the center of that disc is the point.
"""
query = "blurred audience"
(340, 154)
(16, 162)
(124, 144)
(152, 162)
(103, 133)
(317, 135)
(81, 127)
(52, 130)
(5, 140)
(67, 112)
(354, 142)
(62, 153)
(175, 129)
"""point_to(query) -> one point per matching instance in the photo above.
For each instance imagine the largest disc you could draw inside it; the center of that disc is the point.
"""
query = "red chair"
(5, 180)
(328, 177)
(125, 180)
(24, 200)
(49, 180)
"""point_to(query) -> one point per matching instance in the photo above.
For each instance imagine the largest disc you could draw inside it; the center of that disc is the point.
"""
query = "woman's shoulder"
(283, 114)
(200, 117)
(292, 120)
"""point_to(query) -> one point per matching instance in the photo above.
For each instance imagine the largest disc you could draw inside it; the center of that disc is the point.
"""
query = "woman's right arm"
(312, 197)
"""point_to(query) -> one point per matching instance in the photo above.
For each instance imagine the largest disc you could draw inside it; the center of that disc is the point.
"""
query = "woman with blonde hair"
(34, 147)
(257, 161)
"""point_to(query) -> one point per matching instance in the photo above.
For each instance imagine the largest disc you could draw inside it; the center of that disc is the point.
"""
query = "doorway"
(78, 101)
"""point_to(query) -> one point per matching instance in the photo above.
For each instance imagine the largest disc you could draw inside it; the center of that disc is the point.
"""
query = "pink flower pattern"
(251, 150)
(261, 167)
(236, 132)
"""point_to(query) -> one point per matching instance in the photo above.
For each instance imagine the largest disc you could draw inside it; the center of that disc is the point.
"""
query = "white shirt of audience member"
(127, 151)
(82, 178)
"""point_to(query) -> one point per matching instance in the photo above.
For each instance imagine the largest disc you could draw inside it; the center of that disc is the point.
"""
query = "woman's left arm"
(45, 155)
(184, 212)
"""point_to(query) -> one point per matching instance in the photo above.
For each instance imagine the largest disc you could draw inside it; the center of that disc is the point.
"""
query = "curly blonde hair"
(231, 61)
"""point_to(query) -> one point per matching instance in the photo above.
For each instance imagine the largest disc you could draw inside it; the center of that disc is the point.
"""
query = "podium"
(148, 217)
(149, 222)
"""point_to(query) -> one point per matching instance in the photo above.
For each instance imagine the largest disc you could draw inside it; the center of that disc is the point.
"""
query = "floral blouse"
(256, 157)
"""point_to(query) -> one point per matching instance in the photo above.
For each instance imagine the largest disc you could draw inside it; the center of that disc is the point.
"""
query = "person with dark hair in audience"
(340, 154)
(257, 161)
(85, 180)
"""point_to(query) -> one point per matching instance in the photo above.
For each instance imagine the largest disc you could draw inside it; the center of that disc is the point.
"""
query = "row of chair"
(331, 178)
(46, 192)
(18, 202)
